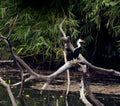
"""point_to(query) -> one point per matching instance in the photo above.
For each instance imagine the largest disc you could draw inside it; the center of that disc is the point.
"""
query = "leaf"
(3, 11)
(20, 50)
(27, 32)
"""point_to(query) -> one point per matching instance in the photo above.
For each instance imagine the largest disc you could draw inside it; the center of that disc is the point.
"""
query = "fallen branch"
(83, 90)
(83, 94)
(100, 70)
(49, 78)
(96, 69)
(3, 83)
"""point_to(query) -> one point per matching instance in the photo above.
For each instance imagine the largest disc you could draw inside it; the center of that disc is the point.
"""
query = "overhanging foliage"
(36, 30)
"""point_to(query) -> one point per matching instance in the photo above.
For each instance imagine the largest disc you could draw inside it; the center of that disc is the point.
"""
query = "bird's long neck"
(78, 44)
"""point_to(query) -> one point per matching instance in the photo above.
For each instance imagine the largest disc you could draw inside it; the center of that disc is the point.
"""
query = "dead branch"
(20, 94)
(25, 80)
(50, 77)
(85, 90)
(96, 69)
(3, 83)
(100, 70)
(60, 27)
(83, 94)
(65, 56)
(67, 42)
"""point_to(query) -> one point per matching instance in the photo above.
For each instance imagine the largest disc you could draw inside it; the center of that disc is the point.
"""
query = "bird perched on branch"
(78, 48)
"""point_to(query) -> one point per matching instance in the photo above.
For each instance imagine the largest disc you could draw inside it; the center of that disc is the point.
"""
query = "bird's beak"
(82, 41)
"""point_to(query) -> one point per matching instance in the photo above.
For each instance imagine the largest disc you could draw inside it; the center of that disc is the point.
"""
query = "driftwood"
(81, 63)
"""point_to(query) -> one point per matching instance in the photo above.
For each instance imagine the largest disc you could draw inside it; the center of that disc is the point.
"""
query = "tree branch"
(100, 70)
(3, 83)
(65, 56)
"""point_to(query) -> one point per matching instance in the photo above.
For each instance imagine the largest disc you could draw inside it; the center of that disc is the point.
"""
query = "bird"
(76, 51)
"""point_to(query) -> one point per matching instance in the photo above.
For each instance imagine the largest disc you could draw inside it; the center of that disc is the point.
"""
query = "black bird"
(77, 49)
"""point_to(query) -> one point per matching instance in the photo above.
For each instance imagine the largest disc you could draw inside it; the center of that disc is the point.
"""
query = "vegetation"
(36, 35)
(36, 31)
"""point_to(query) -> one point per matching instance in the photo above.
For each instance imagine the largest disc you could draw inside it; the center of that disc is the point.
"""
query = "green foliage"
(99, 18)
(36, 30)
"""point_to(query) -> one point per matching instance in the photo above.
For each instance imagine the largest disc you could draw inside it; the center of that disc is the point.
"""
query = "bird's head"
(80, 41)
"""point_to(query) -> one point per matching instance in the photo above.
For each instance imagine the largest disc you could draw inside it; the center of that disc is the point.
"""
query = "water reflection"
(54, 98)
(49, 98)
(36, 98)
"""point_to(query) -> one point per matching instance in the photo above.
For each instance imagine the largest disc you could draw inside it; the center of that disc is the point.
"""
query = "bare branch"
(83, 94)
(67, 43)
(63, 68)
(25, 80)
(100, 70)
(85, 90)
(60, 27)
(2, 82)
(17, 59)
(65, 56)
(50, 77)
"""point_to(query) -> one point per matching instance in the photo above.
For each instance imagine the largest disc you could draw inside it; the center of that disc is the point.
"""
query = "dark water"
(52, 98)
(49, 98)
(36, 98)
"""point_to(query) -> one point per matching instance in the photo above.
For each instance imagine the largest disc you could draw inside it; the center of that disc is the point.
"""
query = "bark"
(12, 98)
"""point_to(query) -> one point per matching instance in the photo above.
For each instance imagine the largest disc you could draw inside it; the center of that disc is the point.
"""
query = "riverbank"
(75, 87)
(99, 84)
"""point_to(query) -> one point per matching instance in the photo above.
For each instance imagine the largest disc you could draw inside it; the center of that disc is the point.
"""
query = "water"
(50, 98)
(54, 98)
(36, 98)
